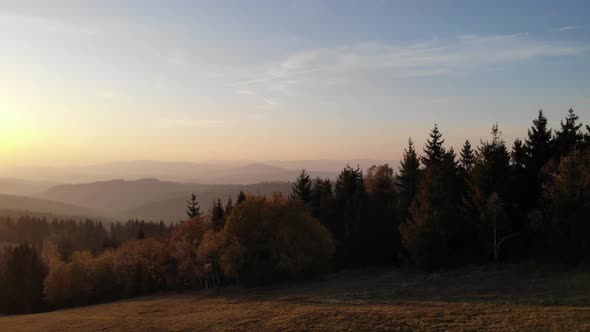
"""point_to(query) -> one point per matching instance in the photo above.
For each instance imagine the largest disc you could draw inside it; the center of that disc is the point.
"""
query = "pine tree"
(217, 216)
(586, 143)
(518, 155)
(302, 188)
(192, 209)
(408, 178)
(569, 137)
(434, 150)
(229, 206)
(241, 197)
(323, 205)
(539, 151)
(538, 144)
(380, 233)
(467, 158)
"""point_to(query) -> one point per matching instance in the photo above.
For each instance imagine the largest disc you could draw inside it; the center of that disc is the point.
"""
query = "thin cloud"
(44, 25)
(185, 123)
(567, 28)
(245, 92)
(435, 58)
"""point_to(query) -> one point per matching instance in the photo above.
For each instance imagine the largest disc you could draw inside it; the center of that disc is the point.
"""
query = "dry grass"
(492, 298)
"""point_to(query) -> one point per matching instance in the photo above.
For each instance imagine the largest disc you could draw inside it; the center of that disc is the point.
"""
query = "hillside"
(23, 187)
(220, 172)
(492, 298)
(151, 199)
(11, 205)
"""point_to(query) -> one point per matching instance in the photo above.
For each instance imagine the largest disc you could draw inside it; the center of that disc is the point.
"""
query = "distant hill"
(173, 209)
(215, 172)
(11, 205)
(23, 187)
(151, 199)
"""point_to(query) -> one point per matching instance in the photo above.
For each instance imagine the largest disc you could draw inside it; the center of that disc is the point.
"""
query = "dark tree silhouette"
(217, 215)
(192, 208)
(569, 137)
(241, 197)
(467, 160)
(301, 189)
(408, 178)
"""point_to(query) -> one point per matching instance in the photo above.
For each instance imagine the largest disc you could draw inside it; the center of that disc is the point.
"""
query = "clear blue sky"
(86, 82)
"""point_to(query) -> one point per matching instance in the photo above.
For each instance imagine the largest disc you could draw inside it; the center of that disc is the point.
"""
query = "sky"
(85, 82)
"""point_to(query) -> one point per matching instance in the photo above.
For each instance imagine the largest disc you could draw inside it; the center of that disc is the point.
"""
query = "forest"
(442, 209)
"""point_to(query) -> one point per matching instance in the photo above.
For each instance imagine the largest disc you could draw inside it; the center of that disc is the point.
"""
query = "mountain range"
(153, 190)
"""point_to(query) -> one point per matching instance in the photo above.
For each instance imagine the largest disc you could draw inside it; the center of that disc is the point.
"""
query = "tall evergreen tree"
(229, 206)
(569, 137)
(380, 235)
(323, 205)
(350, 199)
(467, 158)
(302, 188)
(192, 208)
(538, 144)
(434, 150)
(518, 156)
(539, 151)
(217, 215)
(491, 177)
(434, 235)
(408, 178)
(241, 197)
(586, 143)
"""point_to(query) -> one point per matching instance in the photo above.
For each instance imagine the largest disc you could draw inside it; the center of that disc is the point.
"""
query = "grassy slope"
(489, 298)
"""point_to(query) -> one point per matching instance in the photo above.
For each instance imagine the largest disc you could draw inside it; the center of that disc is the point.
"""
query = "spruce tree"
(350, 197)
(323, 205)
(467, 158)
(408, 178)
(192, 208)
(301, 189)
(538, 144)
(518, 155)
(241, 197)
(539, 151)
(434, 150)
(586, 143)
(217, 216)
(229, 206)
(569, 137)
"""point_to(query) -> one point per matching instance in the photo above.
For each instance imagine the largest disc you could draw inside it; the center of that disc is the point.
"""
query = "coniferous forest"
(483, 202)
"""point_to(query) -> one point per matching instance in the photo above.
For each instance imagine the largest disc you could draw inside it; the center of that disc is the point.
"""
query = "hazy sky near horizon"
(86, 82)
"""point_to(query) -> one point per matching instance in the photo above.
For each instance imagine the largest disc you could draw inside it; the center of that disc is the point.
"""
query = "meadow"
(509, 297)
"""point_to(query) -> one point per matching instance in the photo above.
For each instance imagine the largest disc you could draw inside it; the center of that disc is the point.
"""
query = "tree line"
(444, 209)
(441, 209)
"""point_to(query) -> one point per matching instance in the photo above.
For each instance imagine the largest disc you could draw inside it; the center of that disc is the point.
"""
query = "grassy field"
(489, 298)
